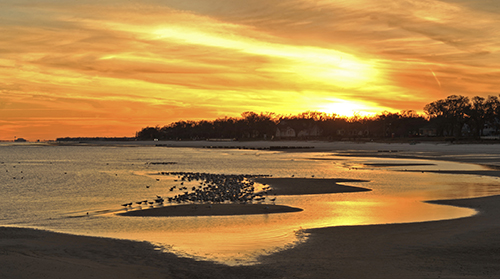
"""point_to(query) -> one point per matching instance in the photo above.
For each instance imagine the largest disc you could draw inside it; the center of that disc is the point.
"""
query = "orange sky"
(110, 68)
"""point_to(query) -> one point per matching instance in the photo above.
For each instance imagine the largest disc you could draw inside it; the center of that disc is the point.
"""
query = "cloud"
(108, 62)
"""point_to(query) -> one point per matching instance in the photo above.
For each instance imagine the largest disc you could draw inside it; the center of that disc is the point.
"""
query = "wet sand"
(460, 248)
(28, 254)
(211, 210)
(309, 186)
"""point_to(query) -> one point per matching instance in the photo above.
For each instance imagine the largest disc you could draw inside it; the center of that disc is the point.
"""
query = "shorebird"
(159, 199)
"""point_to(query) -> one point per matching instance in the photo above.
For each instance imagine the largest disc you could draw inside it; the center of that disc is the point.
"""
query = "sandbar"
(211, 210)
(309, 186)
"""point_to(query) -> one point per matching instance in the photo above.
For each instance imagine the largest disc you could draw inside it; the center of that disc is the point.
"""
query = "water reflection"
(396, 198)
(67, 181)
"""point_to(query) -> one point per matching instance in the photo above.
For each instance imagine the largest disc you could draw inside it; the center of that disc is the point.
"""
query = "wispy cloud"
(145, 63)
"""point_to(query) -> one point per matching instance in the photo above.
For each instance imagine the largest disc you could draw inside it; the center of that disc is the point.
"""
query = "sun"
(347, 108)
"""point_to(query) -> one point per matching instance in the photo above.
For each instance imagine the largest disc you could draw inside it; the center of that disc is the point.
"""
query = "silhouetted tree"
(493, 112)
(449, 114)
(149, 133)
(436, 112)
(411, 122)
(477, 115)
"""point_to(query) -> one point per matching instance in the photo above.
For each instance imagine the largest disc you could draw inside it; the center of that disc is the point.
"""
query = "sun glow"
(132, 65)
(309, 64)
(347, 108)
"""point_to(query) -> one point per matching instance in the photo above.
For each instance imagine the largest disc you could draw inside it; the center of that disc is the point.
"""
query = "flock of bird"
(158, 201)
(211, 188)
(14, 177)
(197, 187)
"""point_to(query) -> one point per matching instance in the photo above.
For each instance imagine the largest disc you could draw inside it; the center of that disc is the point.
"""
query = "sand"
(309, 186)
(26, 253)
(226, 209)
(460, 248)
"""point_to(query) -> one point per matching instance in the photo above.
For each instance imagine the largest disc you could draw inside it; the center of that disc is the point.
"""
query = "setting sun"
(347, 108)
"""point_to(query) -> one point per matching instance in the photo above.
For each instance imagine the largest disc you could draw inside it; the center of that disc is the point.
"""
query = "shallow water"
(53, 187)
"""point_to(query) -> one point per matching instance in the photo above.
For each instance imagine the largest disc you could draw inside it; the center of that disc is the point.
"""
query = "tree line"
(454, 116)
(450, 115)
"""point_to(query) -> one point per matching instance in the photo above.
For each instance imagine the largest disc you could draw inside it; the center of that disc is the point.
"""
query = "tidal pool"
(54, 187)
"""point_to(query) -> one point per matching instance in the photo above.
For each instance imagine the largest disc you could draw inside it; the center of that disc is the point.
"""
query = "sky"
(110, 68)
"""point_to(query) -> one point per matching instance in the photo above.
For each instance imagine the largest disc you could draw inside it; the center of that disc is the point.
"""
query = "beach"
(460, 248)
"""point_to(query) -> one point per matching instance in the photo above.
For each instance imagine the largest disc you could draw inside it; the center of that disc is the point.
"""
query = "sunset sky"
(110, 68)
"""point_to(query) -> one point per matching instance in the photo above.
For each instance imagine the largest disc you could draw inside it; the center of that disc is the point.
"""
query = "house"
(285, 132)
(428, 131)
(297, 128)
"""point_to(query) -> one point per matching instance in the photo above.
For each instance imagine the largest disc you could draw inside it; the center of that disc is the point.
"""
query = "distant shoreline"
(485, 153)
(475, 153)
